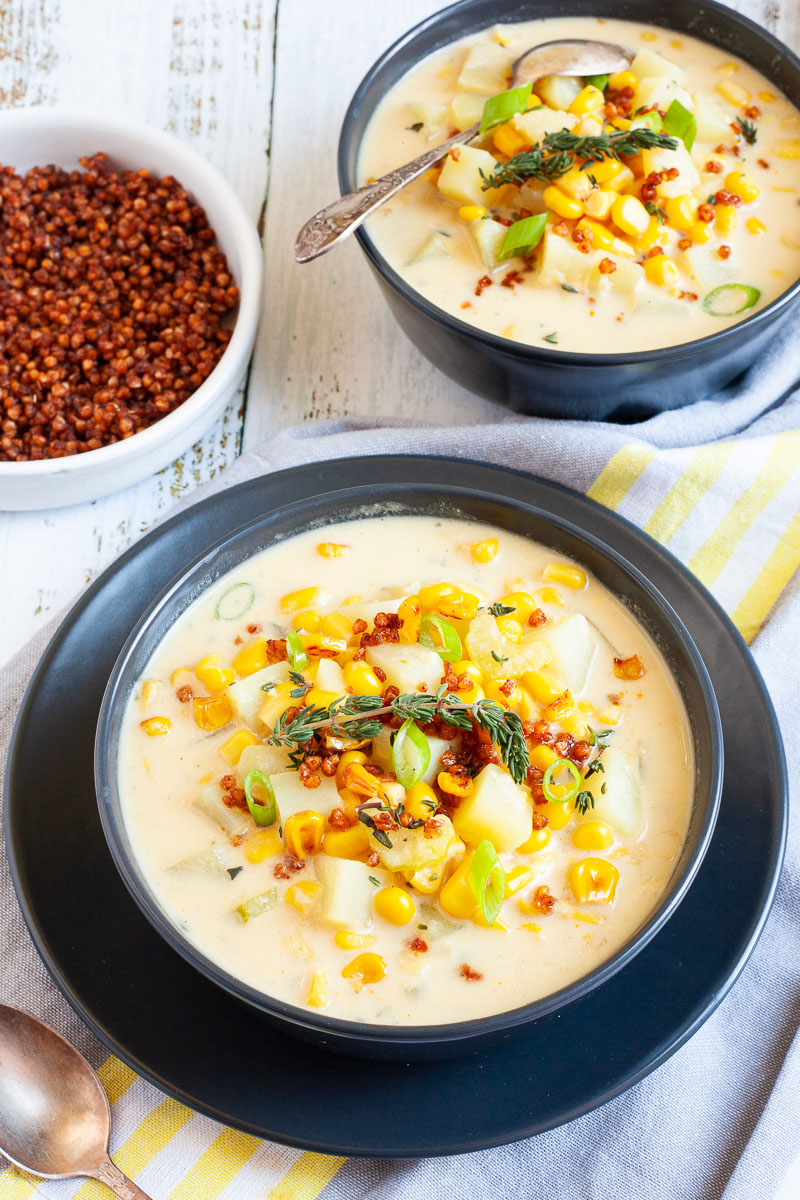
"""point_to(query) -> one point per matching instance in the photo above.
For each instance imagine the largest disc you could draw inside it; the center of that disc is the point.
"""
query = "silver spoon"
(54, 1114)
(336, 222)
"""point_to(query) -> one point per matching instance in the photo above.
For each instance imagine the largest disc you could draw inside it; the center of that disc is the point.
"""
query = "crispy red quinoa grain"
(112, 293)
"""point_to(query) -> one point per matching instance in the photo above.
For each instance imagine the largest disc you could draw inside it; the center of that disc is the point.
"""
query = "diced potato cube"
(246, 695)
(706, 267)
(648, 62)
(269, 759)
(560, 261)
(497, 809)
(558, 91)
(208, 803)
(487, 236)
(437, 246)
(713, 123)
(599, 202)
(576, 183)
(292, 796)
(486, 69)
(382, 753)
(367, 610)
(659, 159)
(661, 91)
(460, 179)
(572, 644)
(466, 108)
(627, 279)
(210, 863)
(432, 116)
(617, 795)
(413, 849)
(329, 677)
(346, 897)
(406, 667)
(537, 123)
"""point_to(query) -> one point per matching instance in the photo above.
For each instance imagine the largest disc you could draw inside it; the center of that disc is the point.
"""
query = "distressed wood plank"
(202, 69)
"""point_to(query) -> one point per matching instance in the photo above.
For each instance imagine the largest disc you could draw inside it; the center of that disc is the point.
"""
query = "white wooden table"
(260, 88)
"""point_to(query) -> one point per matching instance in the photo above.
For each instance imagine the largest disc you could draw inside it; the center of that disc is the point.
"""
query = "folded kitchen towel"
(719, 484)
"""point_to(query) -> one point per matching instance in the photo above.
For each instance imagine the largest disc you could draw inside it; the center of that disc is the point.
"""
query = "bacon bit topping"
(289, 863)
(276, 650)
(752, 112)
(373, 859)
(467, 304)
(418, 945)
(455, 153)
(561, 229)
(691, 296)
(685, 244)
(386, 629)
(723, 197)
(253, 627)
(540, 821)
(507, 688)
(483, 283)
(654, 251)
(706, 213)
(629, 668)
(510, 279)
(715, 167)
(544, 902)
(380, 673)
(762, 162)
(184, 694)
(607, 266)
(329, 765)
(724, 251)
(338, 819)
(359, 626)
(537, 618)
(467, 972)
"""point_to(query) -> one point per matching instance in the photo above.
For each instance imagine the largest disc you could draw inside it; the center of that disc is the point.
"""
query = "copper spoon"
(54, 1115)
(565, 57)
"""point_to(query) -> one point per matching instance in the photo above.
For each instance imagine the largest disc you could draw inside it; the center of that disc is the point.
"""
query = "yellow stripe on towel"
(214, 1170)
(155, 1132)
(755, 606)
(687, 492)
(620, 473)
(307, 1178)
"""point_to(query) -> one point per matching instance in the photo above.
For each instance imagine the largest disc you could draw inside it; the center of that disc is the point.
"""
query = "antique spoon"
(54, 1114)
(336, 222)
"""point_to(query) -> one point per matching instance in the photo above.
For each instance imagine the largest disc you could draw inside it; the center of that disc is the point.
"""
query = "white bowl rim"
(244, 231)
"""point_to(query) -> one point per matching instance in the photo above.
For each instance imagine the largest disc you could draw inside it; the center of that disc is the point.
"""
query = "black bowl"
(537, 379)
(447, 498)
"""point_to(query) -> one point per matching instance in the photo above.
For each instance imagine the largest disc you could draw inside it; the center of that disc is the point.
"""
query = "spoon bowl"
(54, 1115)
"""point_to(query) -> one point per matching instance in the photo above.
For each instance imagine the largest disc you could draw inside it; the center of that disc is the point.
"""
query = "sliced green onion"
(439, 635)
(504, 106)
(488, 880)
(522, 237)
(257, 905)
(411, 754)
(648, 120)
(729, 299)
(548, 784)
(235, 602)
(598, 81)
(262, 812)
(679, 122)
(295, 651)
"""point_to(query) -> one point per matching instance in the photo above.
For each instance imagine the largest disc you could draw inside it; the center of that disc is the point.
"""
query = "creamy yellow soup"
(389, 919)
(633, 253)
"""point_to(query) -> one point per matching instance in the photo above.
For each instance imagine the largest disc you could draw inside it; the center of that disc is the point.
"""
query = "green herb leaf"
(558, 153)
(234, 871)
(501, 610)
(505, 105)
(522, 237)
(656, 212)
(748, 130)
(499, 658)
(648, 120)
(569, 288)
(267, 687)
(411, 754)
(552, 338)
(679, 122)
(234, 603)
(583, 802)
(488, 880)
(375, 882)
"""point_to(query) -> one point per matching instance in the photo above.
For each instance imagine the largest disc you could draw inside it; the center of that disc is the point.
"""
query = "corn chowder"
(407, 802)
(601, 215)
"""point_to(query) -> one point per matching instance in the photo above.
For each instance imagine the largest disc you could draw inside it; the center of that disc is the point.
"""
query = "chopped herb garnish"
(558, 152)
(656, 212)
(501, 610)
(415, 128)
(593, 768)
(552, 338)
(301, 685)
(583, 802)
(569, 288)
(593, 181)
(499, 658)
(747, 130)
(267, 687)
(422, 927)
(712, 199)
(233, 871)
(377, 883)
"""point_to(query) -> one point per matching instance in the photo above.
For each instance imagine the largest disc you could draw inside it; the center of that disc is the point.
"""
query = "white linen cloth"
(719, 482)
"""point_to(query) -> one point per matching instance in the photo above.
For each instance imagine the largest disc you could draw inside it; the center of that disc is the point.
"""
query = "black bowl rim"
(522, 350)
(113, 822)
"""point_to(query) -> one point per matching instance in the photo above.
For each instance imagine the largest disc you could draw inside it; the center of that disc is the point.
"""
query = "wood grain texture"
(327, 347)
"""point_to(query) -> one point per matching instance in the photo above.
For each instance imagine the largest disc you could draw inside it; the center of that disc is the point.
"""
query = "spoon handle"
(125, 1188)
(341, 218)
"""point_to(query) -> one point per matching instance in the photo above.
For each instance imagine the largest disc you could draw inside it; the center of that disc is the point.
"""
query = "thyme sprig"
(558, 152)
(356, 717)
(748, 130)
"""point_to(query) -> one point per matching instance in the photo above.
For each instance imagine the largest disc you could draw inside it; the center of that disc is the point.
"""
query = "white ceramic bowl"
(37, 136)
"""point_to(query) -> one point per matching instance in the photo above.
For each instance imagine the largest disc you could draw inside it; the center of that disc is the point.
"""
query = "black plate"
(203, 1047)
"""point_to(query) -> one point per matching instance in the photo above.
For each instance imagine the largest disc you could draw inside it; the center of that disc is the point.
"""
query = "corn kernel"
(561, 204)
(507, 700)
(212, 712)
(421, 801)
(318, 990)
(318, 643)
(251, 658)
(263, 843)
(613, 174)
(307, 622)
(346, 843)
(766, 97)
(621, 80)
(598, 203)
(589, 100)
(651, 236)
(756, 226)
(681, 211)
(349, 757)
(560, 708)
(466, 666)
(366, 969)
(611, 715)
(510, 628)
(332, 549)
(149, 692)
(649, 36)
(725, 218)
(734, 93)
(302, 833)
(542, 756)
(593, 835)
(601, 238)
(457, 896)
(212, 675)
(661, 271)
(410, 614)
(558, 815)
(522, 603)
(181, 675)
(348, 939)
(156, 726)
(303, 895)
(430, 596)
(526, 706)
(548, 595)
(485, 551)
(336, 625)
(630, 215)
(234, 748)
(543, 686)
(454, 785)
(536, 842)
(462, 606)
(738, 183)
(362, 679)
(726, 69)
(700, 233)
(304, 598)
(572, 577)
(471, 212)
(395, 905)
(361, 781)
(517, 879)
(593, 881)
(508, 141)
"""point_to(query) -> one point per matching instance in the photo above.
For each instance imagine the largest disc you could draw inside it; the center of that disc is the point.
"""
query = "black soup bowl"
(539, 379)
(450, 497)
